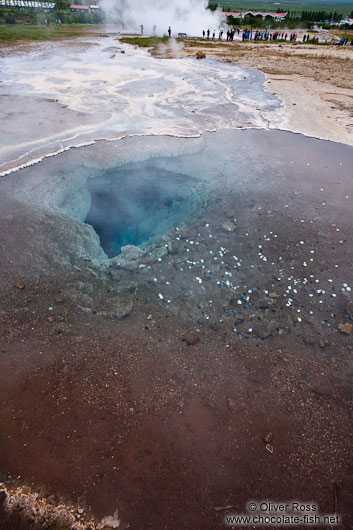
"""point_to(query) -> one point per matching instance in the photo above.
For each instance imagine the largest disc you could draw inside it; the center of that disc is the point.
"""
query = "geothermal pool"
(173, 291)
(99, 92)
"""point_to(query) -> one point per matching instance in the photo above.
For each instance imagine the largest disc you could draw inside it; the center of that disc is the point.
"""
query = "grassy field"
(12, 34)
(145, 42)
(342, 6)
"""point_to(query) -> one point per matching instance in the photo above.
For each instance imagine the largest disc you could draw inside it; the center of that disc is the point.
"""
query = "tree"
(62, 5)
(211, 6)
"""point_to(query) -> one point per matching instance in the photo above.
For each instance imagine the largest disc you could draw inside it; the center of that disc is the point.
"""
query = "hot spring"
(134, 204)
(90, 202)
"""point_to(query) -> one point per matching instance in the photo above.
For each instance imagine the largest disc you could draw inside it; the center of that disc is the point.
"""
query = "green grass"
(145, 42)
(296, 6)
(11, 34)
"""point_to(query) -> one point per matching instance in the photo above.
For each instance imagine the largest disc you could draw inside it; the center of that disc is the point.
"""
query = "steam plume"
(186, 16)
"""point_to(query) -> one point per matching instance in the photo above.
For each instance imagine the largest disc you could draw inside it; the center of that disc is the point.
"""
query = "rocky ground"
(173, 385)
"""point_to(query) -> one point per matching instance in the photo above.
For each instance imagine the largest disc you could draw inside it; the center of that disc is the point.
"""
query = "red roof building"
(79, 9)
(262, 14)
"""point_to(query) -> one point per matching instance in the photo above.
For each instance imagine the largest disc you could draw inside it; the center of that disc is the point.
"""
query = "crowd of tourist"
(264, 35)
(250, 34)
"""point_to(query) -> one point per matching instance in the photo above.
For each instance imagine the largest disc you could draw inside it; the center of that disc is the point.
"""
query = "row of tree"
(321, 16)
(16, 14)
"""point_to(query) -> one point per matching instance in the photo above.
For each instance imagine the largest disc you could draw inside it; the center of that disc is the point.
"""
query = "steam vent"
(176, 313)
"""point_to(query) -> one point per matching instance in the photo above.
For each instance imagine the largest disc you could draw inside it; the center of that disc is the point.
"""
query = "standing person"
(170, 31)
(208, 33)
(154, 29)
(203, 33)
(141, 27)
(213, 35)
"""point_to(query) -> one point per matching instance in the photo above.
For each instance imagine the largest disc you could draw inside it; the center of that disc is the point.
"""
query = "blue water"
(132, 204)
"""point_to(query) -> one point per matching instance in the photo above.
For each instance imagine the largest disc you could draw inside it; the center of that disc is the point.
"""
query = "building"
(27, 4)
(79, 9)
(278, 17)
(84, 9)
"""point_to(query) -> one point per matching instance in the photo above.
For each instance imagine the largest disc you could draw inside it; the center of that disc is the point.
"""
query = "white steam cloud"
(183, 16)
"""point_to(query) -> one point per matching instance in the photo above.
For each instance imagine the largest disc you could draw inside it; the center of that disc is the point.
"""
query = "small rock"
(183, 234)
(232, 404)
(263, 328)
(130, 252)
(350, 310)
(145, 261)
(122, 309)
(60, 328)
(61, 517)
(51, 320)
(261, 302)
(108, 522)
(19, 285)
(322, 343)
(80, 286)
(159, 252)
(122, 263)
(200, 55)
(346, 328)
(52, 500)
(191, 338)
(267, 437)
(58, 300)
(274, 295)
(229, 226)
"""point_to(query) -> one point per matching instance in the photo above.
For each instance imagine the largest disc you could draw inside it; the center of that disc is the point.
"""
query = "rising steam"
(186, 16)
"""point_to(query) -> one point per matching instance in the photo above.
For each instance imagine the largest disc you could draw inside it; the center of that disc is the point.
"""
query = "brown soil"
(137, 414)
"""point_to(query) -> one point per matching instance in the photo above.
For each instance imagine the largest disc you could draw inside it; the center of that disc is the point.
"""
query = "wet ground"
(148, 383)
(55, 96)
